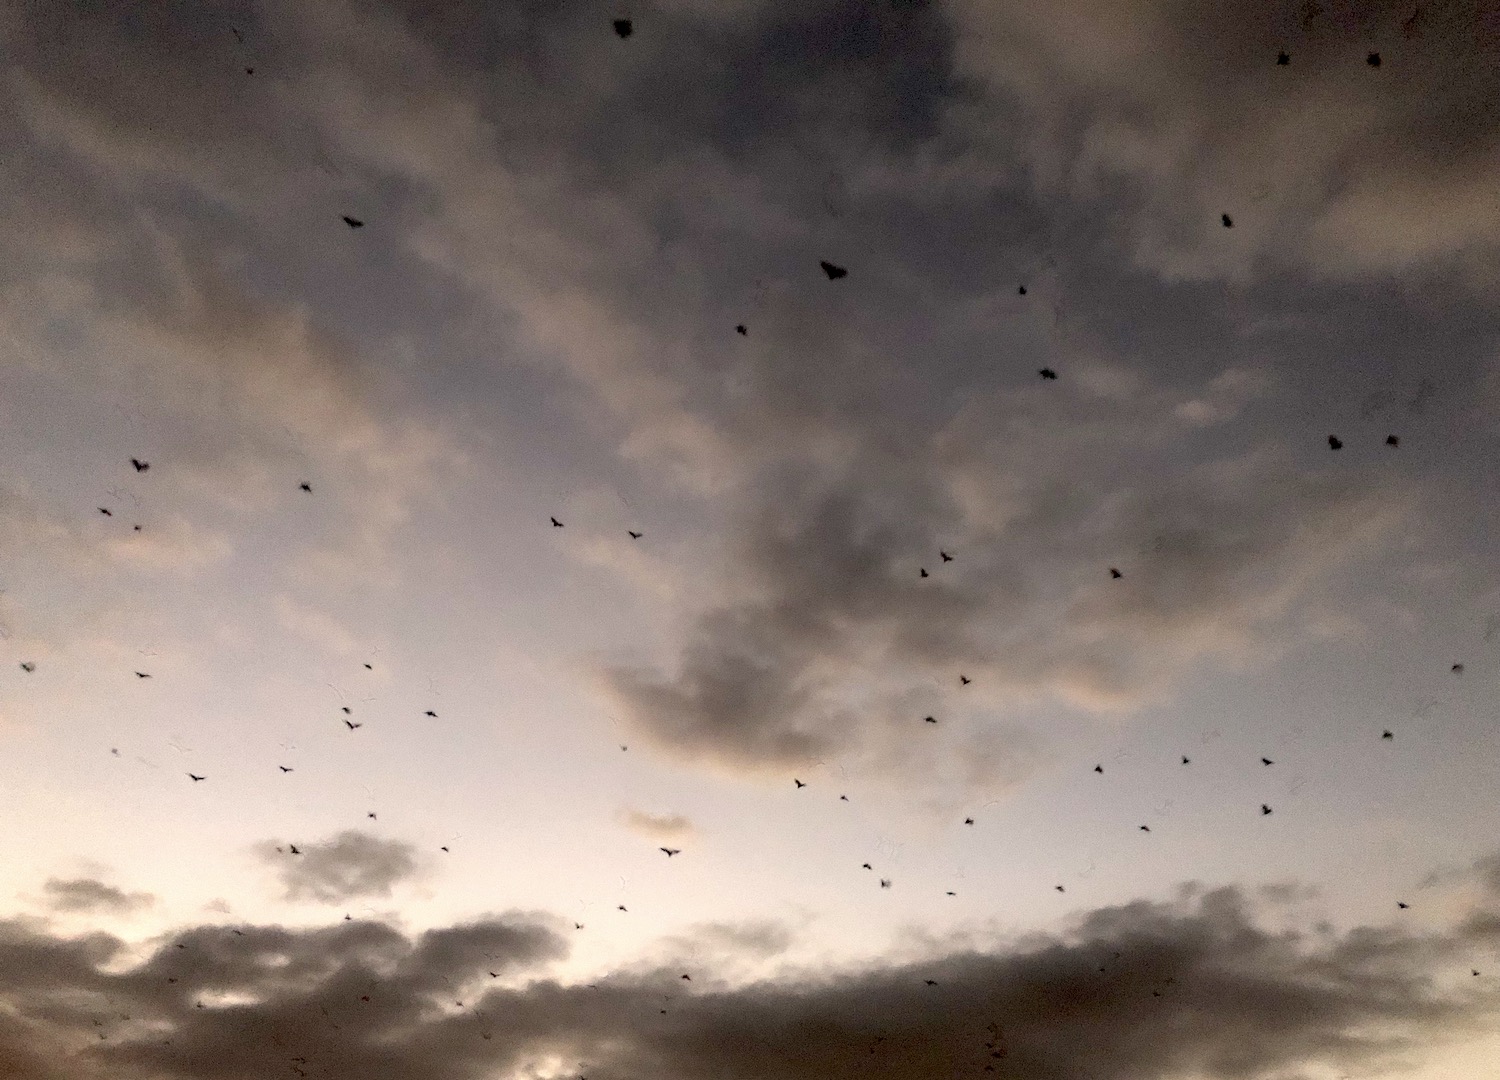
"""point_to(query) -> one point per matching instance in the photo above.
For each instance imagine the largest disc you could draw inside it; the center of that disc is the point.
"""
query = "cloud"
(1169, 117)
(151, 254)
(663, 827)
(862, 425)
(1219, 556)
(1194, 985)
(94, 897)
(351, 864)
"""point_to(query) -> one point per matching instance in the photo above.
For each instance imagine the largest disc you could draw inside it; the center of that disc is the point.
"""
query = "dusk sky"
(750, 540)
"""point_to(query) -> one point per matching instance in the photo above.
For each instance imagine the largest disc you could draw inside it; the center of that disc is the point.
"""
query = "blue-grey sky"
(1062, 645)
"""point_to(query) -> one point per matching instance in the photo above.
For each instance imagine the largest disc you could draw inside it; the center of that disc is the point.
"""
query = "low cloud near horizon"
(1147, 988)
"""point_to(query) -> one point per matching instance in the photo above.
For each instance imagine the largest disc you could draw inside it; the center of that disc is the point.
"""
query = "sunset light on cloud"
(740, 539)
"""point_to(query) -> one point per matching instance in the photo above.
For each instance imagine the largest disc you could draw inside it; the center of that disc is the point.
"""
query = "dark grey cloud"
(350, 864)
(90, 895)
(1142, 989)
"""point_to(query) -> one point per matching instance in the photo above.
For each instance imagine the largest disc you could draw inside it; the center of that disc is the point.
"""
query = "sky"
(736, 539)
